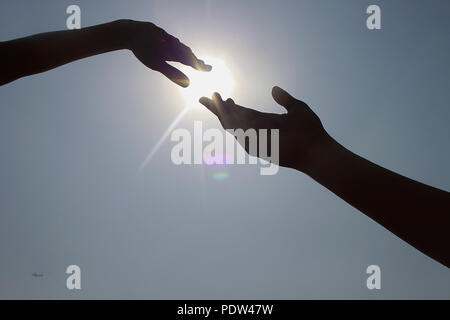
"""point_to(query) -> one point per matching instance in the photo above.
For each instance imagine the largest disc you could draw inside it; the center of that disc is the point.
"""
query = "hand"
(153, 47)
(301, 130)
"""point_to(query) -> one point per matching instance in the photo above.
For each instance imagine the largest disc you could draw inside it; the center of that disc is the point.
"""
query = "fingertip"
(183, 82)
(204, 100)
(230, 102)
(173, 74)
(276, 90)
(203, 68)
(216, 97)
(209, 104)
(281, 96)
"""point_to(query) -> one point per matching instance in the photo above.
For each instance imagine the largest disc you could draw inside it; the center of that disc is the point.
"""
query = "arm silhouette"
(415, 212)
(149, 43)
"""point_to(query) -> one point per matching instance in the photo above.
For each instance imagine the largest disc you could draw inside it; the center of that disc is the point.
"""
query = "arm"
(415, 212)
(42, 52)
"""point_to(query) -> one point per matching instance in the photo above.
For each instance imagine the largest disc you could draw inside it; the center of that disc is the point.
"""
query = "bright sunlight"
(219, 79)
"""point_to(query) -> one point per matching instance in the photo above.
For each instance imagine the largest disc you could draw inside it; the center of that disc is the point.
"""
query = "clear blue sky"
(72, 139)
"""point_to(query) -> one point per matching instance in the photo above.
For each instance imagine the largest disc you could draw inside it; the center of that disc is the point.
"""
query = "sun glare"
(219, 79)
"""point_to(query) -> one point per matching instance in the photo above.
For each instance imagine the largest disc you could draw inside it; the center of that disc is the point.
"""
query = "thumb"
(283, 98)
(173, 74)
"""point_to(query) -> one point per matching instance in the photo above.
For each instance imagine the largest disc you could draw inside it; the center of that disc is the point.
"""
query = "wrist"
(122, 30)
(320, 152)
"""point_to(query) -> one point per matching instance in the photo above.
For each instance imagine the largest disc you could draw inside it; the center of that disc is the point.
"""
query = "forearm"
(417, 213)
(42, 52)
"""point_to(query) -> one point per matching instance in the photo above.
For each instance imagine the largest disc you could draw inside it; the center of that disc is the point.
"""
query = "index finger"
(182, 53)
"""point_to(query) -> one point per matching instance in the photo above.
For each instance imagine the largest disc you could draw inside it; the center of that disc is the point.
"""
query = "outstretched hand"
(45, 51)
(301, 130)
(392, 200)
(154, 47)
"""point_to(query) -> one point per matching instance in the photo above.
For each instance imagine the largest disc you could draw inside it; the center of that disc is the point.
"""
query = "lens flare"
(219, 159)
(220, 176)
(219, 79)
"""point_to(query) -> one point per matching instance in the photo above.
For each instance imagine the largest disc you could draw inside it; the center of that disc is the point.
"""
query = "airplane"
(37, 275)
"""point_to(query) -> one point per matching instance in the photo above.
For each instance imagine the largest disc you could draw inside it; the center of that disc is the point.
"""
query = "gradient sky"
(73, 138)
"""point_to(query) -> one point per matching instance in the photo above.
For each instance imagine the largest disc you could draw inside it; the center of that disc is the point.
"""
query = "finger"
(217, 99)
(283, 98)
(223, 108)
(173, 74)
(203, 66)
(230, 103)
(208, 103)
(239, 111)
(233, 110)
(185, 55)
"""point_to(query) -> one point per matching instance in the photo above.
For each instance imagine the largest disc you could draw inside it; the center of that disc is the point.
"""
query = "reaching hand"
(300, 129)
(153, 47)
(415, 212)
(149, 43)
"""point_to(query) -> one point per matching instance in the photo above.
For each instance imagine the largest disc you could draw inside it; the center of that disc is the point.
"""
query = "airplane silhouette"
(37, 275)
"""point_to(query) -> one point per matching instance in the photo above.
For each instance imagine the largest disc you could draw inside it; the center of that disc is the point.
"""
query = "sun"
(219, 79)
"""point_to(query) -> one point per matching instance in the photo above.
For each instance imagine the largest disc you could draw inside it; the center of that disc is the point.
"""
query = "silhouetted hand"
(300, 128)
(153, 47)
(45, 51)
(417, 213)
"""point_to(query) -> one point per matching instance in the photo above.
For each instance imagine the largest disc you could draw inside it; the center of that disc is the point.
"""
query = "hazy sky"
(72, 140)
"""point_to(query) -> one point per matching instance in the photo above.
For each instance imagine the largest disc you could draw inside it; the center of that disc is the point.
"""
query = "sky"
(72, 141)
